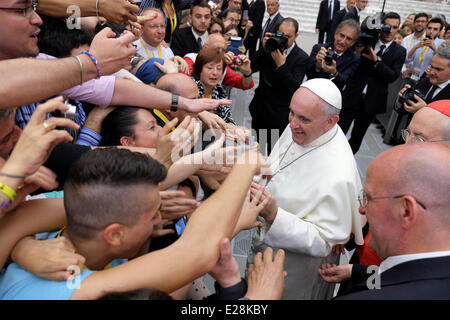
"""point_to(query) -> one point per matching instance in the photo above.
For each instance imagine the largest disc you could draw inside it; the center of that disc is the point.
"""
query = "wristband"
(174, 104)
(8, 191)
(81, 68)
(99, 72)
(15, 176)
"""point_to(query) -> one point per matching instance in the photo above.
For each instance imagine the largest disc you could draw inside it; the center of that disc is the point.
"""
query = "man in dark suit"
(343, 67)
(274, 20)
(355, 12)
(256, 15)
(280, 74)
(327, 9)
(191, 40)
(405, 200)
(339, 16)
(436, 85)
(366, 93)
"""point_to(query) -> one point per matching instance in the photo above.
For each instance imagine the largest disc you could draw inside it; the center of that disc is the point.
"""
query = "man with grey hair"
(340, 66)
(435, 86)
(313, 190)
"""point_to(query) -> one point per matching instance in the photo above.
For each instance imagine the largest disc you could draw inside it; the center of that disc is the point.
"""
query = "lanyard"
(209, 95)
(412, 39)
(59, 235)
(422, 55)
(173, 22)
(148, 53)
(161, 116)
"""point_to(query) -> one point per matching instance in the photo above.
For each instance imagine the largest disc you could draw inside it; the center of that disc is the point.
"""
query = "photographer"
(334, 60)
(419, 57)
(282, 66)
(365, 94)
(429, 89)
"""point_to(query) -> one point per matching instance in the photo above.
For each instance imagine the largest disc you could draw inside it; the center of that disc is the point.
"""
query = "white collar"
(147, 44)
(391, 262)
(204, 36)
(273, 16)
(443, 85)
(290, 49)
(357, 10)
(387, 45)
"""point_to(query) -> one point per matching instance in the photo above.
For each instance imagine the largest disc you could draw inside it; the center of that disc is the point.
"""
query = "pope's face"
(306, 119)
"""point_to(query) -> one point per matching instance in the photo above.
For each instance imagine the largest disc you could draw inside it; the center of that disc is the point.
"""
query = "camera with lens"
(331, 55)
(237, 61)
(409, 95)
(371, 28)
(428, 37)
(71, 113)
(277, 41)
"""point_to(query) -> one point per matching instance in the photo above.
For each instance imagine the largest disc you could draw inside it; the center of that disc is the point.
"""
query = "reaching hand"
(48, 259)
(113, 53)
(266, 276)
(39, 138)
(226, 271)
(175, 205)
(334, 273)
(117, 11)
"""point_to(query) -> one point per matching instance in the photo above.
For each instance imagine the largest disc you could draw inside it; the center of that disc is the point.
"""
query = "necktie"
(380, 52)
(199, 42)
(429, 96)
(330, 10)
(265, 28)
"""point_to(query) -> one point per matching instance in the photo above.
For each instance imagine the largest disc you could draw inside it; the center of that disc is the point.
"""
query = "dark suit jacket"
(351, 14)
(417, 279)
(273, 26)
(425, 85)
(272, 98)
(184, 42)
(337, 19)
(323, 17)
(256, 15)
(377, 77)
(346, 64)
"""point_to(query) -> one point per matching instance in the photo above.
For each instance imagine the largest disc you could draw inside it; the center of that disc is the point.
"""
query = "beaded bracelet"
(99, 72)
(8, 191)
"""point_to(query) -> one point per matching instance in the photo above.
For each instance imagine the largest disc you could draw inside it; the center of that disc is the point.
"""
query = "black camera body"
(277, 41)
(409, 95)
(371, 28)
(331, 55)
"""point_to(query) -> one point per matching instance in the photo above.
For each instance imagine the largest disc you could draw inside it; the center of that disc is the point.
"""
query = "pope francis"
(314, 190)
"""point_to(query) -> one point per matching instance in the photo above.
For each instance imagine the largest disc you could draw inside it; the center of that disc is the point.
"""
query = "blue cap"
(148, 72)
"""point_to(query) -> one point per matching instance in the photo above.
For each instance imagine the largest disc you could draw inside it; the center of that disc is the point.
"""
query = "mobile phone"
(245, 15)
(235, 43)
(212, 4)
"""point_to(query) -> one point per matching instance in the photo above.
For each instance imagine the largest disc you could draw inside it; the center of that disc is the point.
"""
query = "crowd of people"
(124, 175)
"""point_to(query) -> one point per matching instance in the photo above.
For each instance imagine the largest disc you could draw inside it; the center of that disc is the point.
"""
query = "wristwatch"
(174, 105)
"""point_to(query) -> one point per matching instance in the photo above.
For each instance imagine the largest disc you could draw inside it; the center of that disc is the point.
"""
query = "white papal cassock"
(316, 188)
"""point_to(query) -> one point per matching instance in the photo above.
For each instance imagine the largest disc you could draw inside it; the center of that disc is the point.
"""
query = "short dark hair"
(437, 20)
(200, 3)
(392, 15)
(57, 40)
(290, 20)
(421, 15)
(233, 10)
(104, 186)
(119, 123)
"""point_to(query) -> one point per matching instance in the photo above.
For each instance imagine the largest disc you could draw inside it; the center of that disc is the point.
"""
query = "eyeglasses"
(364, 199)
(414, 138)
(26, 12)
(157, 26)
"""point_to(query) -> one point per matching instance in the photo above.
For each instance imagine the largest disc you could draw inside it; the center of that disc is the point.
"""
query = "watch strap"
(174, 104)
